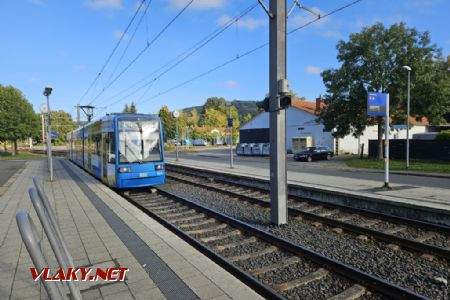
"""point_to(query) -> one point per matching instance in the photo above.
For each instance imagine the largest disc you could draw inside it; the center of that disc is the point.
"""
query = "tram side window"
(98, 140)
(111, 148)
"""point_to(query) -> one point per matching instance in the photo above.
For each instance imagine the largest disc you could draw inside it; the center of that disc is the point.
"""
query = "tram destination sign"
(376, 104)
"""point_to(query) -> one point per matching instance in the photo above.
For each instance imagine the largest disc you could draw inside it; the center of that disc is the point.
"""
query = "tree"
(133, 109)
(168, 121)
(372, 61)
(192, 118)
(130, 109)
(62, 123)
(247, 118)
(216, 112)
(17, 118)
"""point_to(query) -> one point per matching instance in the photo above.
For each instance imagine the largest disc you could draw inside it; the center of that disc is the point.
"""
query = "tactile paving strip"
(166, 280)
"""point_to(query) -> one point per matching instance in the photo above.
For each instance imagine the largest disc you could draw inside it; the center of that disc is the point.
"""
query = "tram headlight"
(159, 167)
(124, 170)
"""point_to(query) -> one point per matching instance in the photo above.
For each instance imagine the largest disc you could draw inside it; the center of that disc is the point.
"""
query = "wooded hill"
(244, 108)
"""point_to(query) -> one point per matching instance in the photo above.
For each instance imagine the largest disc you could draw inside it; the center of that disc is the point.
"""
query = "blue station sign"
(376, 104)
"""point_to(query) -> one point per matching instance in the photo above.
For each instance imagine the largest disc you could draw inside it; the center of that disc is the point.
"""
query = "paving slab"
(101, 227)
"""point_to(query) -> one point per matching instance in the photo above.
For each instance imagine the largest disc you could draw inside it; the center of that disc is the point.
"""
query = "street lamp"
(407, 115)
(47, 91)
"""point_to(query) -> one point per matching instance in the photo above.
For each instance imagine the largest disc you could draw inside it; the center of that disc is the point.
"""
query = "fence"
(418, 149)
(30, 237)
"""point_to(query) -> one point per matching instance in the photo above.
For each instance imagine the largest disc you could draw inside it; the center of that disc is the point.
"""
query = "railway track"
(398, 232)
(274, 267)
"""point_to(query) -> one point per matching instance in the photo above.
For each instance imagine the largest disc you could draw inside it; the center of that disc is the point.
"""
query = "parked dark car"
(314, 153)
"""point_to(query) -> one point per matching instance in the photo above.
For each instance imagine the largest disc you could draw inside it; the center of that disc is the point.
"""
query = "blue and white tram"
(122, 150)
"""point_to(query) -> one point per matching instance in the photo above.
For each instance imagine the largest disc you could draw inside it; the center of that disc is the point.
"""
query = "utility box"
(300, 143)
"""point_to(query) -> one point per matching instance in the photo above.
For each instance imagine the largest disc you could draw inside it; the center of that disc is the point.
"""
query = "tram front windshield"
(139, 141)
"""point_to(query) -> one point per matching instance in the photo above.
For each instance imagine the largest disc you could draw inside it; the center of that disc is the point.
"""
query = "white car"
(200, 142)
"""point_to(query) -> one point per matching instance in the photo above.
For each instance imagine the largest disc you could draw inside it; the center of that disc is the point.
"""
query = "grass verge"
(20, 155)
(415, 165)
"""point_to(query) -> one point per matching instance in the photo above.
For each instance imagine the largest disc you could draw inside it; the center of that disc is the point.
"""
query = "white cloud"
(118, 34)
(313, 70)
(198, 4)
(104, 4)
(331, 34)
(247, 23)
(232, 84)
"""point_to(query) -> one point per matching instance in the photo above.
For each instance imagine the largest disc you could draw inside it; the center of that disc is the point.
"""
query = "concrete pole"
(43, 130)
(277, 71)
(78, 115)
(407, 120)
(49, 141)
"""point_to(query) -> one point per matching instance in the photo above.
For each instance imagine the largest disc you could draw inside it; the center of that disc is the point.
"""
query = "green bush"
(443, 135)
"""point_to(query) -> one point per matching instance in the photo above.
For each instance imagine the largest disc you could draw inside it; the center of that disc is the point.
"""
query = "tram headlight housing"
(124, 170)
(159, 167)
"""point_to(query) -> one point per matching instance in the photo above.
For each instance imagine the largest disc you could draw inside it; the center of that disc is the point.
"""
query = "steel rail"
(241, 274)
(364, 212)
(375, 283)
(410, 244)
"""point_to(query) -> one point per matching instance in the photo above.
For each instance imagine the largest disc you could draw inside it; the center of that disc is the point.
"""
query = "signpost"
(230, 126)
(378, 106)
(176, 114)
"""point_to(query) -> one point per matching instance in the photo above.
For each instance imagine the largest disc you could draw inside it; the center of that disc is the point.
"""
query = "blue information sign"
(376, 104)
(230, 122)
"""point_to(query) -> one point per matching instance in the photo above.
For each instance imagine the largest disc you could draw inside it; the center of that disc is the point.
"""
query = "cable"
(209, 71)
(142, 51)
(242, 55)
(248, 52)
(187, 53)
(324, 16)
(144, 14)
(112, 52)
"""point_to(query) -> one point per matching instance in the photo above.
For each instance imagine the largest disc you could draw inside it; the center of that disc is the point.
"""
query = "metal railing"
(29, 235)
(52, 219)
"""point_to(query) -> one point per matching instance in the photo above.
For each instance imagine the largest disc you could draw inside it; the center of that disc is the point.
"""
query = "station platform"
(100, 227)
(425, 199)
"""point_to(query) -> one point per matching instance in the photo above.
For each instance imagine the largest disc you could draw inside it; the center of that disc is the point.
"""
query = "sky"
(66, 44)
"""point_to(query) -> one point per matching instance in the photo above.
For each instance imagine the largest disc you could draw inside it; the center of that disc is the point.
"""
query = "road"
(334, 168)
(9, 168)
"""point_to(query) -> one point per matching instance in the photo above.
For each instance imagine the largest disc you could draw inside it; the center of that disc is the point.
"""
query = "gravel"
(245, 249)
(320, 289)
(289, 273)
(400, 267)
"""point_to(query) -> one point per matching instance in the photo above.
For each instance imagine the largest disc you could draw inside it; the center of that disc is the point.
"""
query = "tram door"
(104, 158)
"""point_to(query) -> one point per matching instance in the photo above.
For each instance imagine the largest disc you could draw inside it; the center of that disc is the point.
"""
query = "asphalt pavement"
(8, 168)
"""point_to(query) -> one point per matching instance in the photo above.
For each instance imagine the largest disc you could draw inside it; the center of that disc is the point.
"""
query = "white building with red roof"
(302, 125)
